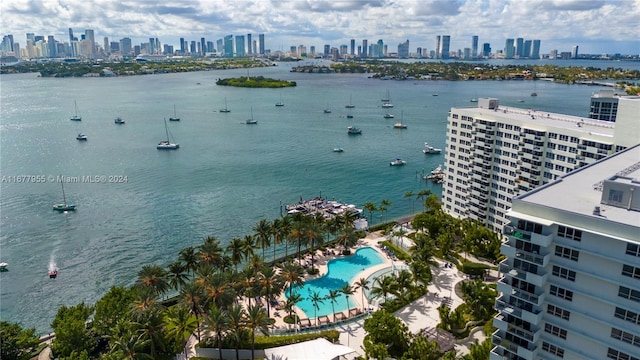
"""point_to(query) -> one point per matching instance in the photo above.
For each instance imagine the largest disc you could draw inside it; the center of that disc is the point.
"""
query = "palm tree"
(152, 329)
(153, 277)
(177, 278)
(210, 252)
(285, 230)
(189, 259)
(404, 281)
(146, 300)
(129, 346)
(333, 297)
(384, 206)
(192, 297)
(409, 196)
(235, 324)
(247, 284)
(382, 287)
(180, 325)
(292, 300)
(370, 207)
(247, 246)
(314, 235)
(218, 290)
(298, 233)
(291, 275)
(276, 233)
(216, 321)
(256, 319)
(362, 284)
(270, 283)
(235, 250)
(347, 290)
(316, 300)
(263, 234)
(422, 195)
(347, 238)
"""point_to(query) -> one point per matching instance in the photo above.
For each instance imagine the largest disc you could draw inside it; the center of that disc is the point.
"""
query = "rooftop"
(530, 117)
(585, 191)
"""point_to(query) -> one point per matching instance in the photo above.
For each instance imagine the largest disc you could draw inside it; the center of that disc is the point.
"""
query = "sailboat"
(226, 109)
(350, 104)
(63, 206)
(175, 116)
(280, 103)
(251, 121)
(166, 144)
(327, 110)
(400, 125)
(386, 102)
(76, 117)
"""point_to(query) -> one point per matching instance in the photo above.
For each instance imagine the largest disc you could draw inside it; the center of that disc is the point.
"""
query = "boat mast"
(166, 129)
(64, 197)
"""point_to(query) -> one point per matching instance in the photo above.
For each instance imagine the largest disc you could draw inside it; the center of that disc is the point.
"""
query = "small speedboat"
(349, 116)
(428, 149)
(3, 266)
(338, 149)
(118, 120)
(53, 273)
(397, 162)
(399, 126)
(81, 137)
(354, 130)
(388, 116)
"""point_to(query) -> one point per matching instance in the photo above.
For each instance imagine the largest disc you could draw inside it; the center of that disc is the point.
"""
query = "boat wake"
(52, 263)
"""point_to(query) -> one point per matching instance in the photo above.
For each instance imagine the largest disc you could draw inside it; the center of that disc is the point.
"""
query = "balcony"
(500, 353)
(512, 252)
(538, 278)
(525, 352)
(505, 287)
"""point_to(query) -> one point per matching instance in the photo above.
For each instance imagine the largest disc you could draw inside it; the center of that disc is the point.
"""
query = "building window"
(630, 271)
(625, 336)
(627, 315)
(564, 273)
(561, 293)
(567, 253)
(627, 293)
(558, 312)
(552, 349)
(619, 355)
(556, 331)
(633, 249)
(569, 233)
(615, 195)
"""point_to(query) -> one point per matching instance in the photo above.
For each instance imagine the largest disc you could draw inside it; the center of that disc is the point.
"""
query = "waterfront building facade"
(604, 105)
(571, 280)
(495, 153)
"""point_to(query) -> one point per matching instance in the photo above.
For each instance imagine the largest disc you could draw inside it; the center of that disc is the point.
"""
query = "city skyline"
(560, 25)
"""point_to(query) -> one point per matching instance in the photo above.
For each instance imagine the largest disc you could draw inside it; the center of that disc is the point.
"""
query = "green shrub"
(472, 268)
(266, 342)
(399, 253)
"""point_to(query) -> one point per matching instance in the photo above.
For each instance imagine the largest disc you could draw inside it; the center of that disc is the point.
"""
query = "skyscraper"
(570, 278)
(249, 49)
(106, 48)
(535, 49)
(438, 54)
(509, 49)
(51, 47)
(70, 35)
(353, 46)
(91, 43)
(403, 50)
(240, 50)
(125, 46)
(203, 46)
(183, 46)
(364, 48)
(520, 47)
(327, 50)
(444, 51)
(152, 46)
(228, 46)
(527, 49)
(574, 52)
(380, 52)
(261, 38)
(474, 46)
(486, 49)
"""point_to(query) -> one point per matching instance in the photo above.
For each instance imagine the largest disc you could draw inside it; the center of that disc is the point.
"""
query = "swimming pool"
(340, 271)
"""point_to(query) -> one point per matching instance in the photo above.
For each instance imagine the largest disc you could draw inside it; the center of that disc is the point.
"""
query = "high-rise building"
(353, 46)
(474, 46)
(327, 50)
(249, 43)
(106, 48)
(604, 105)
(261, 38)
(344, 49)
(51, 47)
(571, 278)
(380, 52)
(193, 48)
(526, 52)
(574, 52)
(203, 46)
(486, 49)
(240, 50)
(444, 50)
(438, 54)
(312, 51)
(509, 49)
(535, 49)
(220, 46)
(183, 46)
(520, 48)
(152, 46)
(496, 152)
(125, 46)
(228, 46)
(403, 50)
(364, 48)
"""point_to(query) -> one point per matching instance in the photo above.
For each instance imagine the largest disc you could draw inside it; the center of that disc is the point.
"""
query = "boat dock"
(328, 208)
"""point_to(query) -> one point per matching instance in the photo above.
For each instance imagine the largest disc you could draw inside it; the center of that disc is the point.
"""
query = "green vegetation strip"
(255, 82)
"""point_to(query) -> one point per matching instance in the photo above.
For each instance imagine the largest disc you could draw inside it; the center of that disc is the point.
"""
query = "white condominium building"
(495, 153)
(571, 280)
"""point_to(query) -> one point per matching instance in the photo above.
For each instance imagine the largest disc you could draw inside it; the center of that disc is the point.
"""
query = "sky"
(596, 26)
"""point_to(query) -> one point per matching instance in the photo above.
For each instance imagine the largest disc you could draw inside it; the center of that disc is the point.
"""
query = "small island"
(255, 82)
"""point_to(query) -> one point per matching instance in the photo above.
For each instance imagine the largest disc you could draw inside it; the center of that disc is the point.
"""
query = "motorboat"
(388, 116)
(53, 273)
(397, 162)
(399, 126)
(428, 149)
(474, 100)
(354, 130)
(81, 137)
(118, 120)
(534, 94)
(349, 116)
(338, 149)
(387, 105)
(3, 266)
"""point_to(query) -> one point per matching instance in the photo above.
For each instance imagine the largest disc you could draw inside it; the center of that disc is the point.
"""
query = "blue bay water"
(224, 178)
